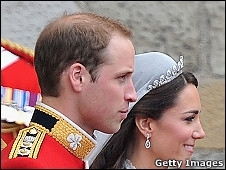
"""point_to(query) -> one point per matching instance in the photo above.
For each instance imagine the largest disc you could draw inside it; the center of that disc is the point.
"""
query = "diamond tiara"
(170, 75)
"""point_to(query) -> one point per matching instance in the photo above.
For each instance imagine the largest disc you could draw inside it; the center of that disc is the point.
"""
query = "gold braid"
(7, 127)
(18, 49)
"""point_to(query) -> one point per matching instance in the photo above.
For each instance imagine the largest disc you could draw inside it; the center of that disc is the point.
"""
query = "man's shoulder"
(27, 143)
(32, 147)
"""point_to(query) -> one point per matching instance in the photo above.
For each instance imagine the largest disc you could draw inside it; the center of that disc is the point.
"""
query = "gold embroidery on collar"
(61, 131)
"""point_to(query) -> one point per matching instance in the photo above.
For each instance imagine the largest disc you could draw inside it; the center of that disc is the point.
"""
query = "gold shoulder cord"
(18, 49)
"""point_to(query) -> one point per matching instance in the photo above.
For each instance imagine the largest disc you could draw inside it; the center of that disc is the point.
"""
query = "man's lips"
(124, 113)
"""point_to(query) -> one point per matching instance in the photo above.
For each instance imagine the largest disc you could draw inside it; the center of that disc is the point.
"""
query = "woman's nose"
(199, 134)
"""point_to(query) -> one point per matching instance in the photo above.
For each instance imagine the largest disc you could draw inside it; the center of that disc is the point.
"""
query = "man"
(84, 63)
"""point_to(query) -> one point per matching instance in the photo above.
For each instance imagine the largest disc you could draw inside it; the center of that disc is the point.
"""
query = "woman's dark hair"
(153, 105)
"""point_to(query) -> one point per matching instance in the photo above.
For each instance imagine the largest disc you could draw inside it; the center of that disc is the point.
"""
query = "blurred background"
(194, 29)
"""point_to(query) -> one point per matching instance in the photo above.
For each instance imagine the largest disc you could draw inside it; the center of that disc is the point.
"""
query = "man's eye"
(122, 78)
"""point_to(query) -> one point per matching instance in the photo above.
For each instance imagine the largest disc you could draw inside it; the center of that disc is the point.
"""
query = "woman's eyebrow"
(191, 111)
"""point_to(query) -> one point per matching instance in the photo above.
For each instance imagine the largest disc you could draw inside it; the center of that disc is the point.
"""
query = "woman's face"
(174, 135)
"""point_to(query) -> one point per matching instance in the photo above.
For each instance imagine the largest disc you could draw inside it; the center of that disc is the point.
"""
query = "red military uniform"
(19, 84)
(51, 141)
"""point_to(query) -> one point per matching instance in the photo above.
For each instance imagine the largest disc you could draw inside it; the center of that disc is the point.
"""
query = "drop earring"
(147, 142)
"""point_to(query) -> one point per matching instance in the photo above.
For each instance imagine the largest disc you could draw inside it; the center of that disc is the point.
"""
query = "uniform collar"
(67, 133)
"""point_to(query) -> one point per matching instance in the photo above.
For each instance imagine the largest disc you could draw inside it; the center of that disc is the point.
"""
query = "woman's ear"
(144, 124)
(76, 73)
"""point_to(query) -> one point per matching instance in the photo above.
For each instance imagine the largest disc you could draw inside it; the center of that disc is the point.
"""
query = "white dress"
(128, 165)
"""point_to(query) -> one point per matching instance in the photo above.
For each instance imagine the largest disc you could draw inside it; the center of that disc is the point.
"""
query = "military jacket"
(50, 141)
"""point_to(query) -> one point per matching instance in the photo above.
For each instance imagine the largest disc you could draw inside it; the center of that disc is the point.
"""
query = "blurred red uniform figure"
(19, 88)
(17, 70)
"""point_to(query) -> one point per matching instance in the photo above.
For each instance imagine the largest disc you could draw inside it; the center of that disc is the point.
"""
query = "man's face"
(106, 100)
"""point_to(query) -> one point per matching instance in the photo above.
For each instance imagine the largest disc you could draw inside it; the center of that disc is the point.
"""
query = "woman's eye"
(190, 118)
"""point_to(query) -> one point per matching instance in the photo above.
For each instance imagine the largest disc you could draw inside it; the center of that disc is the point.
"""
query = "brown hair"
(78, 37)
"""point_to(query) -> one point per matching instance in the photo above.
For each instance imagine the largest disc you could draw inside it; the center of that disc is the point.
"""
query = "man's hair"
(79, 37)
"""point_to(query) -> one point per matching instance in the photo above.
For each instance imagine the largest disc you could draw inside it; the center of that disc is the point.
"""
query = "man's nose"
(131, 94)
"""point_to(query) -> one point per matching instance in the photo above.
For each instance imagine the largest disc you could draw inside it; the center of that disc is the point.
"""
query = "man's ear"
(76, 76)
(144, 124)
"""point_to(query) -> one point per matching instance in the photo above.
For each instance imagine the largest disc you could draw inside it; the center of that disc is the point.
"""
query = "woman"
(163, 124)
